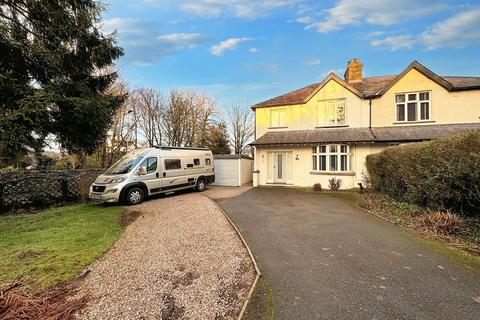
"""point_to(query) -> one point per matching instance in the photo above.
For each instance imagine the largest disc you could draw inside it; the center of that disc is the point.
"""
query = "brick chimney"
(354, 70)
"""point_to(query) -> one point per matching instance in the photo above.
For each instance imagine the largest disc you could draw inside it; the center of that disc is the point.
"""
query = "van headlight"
(116, 180)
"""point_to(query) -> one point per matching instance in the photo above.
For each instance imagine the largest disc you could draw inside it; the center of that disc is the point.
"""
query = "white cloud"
(385, 12)
(338, 72)
(457, 32)
(249, 9)
(143, 45)
(305, 20)
(253, 50)
(312, 62)
(228, 44)
(394, 43)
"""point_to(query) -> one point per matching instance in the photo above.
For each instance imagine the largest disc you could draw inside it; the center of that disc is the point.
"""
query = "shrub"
(317, 187)
(443, 223)
(440, 174)
(334, 184)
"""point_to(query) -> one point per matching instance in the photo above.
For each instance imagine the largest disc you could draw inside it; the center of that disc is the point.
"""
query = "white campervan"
(149, 171)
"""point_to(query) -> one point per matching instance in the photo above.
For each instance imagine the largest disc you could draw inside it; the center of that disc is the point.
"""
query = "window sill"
(413, 122)
(277, 127)
(333, 173)
(339, 126)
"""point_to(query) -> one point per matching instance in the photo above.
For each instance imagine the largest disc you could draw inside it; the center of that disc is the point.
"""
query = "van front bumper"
(109, 193)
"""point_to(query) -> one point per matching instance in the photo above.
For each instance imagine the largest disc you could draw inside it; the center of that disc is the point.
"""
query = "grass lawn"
(55, 245)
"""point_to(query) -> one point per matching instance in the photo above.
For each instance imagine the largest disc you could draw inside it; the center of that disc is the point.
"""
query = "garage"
(232, 170)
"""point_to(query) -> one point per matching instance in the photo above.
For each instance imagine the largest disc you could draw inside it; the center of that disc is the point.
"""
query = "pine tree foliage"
(52, 53)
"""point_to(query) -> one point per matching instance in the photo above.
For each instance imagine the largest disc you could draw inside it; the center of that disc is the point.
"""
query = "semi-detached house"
(327, 129)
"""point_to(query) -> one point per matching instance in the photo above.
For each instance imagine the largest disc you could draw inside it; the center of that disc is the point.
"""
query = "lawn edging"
(257, 270)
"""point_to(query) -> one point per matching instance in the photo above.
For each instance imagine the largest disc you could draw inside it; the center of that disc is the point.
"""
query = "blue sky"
(246, 51)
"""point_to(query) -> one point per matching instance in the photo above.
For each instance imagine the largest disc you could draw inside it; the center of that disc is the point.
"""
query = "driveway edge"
(257, 270)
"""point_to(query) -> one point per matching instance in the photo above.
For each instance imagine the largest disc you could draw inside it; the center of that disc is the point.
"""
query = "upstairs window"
(277, 118)
(331, 113)
(334, 157)
(413, 106)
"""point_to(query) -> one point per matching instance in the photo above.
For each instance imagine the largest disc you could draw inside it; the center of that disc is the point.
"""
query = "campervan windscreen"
(127, 162)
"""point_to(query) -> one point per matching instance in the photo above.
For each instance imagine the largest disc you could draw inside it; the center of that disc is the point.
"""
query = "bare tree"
(240, 125)
(147, 105)
(186, 118)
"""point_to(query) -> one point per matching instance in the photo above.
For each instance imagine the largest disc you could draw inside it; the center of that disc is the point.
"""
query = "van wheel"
(134, 196)
(200, 187)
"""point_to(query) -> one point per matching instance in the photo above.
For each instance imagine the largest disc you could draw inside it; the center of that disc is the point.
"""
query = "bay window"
(413, 106)
(331, 158)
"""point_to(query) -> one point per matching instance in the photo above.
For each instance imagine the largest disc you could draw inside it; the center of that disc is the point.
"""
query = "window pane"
(341, 112)
(400, 112)
(314, 149)
(343, 148)
(196, 162)
(333, 148)
(412, 97)
(152, 165)
(314, 162)
(331, 113)
(333, 163)
(207, 161)
(424, 96)
(412, 111)
(172, 164)
(323, 149)
(424, 111)
(323, 163)
(321, 114)
(281, 118)
(400, 98)
(343, 163)
(274, 118)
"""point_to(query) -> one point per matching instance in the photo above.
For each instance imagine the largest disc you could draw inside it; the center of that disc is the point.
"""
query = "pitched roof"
(377, 134)
(371, 87)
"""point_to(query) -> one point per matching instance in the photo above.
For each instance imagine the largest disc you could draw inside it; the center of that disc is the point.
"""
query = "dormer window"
(277, 118)
(331, 113)
(413, 106)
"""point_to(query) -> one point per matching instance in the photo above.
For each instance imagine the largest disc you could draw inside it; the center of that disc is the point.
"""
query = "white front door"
(279, 167)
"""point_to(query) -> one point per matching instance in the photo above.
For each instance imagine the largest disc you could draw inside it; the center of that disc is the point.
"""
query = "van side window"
(196, 162)
(150, 164)
(207, 161)
(172, 164)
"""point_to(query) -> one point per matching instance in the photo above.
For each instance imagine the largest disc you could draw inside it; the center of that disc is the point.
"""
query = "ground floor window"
(333, 157)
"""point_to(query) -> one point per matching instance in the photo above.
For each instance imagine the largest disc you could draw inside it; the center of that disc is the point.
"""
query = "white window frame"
(280, 121)
(418, 106)
(322, 110)
(328, 150)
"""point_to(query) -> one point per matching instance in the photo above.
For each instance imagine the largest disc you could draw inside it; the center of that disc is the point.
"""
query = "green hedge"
(440, 174)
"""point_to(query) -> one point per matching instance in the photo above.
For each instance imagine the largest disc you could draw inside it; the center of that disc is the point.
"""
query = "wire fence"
(43, 188)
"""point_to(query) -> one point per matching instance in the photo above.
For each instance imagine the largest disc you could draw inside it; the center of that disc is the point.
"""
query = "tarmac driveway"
(327, 259)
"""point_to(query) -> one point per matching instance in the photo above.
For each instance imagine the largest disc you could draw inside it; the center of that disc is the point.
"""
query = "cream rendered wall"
(300, 166)
(446, 107)
(304, 116)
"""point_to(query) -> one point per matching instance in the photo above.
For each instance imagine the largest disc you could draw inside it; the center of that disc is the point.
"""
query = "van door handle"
(164, 174)
(157, 174)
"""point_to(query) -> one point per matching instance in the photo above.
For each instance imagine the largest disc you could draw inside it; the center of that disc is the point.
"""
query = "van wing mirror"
(141, 171)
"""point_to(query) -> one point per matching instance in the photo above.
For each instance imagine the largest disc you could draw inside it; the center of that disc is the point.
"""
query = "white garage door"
(226, 172)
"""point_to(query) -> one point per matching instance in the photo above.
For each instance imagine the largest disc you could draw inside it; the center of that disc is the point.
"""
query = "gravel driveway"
(180, 259)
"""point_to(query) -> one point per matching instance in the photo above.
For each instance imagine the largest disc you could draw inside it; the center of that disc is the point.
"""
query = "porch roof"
(405, 133)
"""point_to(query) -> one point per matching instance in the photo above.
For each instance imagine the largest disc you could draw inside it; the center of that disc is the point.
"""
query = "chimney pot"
(354, 70)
